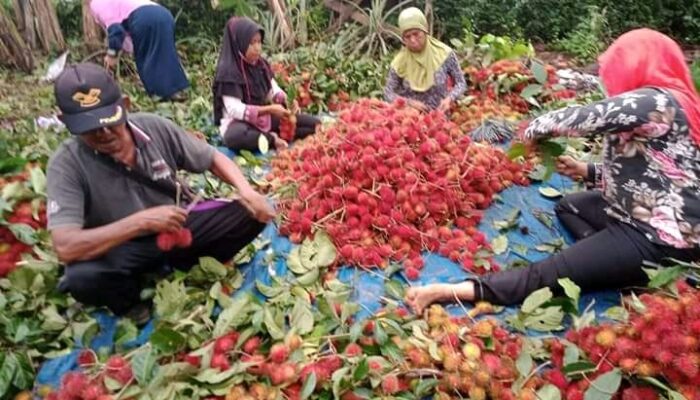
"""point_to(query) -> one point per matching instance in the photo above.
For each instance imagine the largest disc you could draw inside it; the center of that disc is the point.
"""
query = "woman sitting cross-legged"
(420, 72)
(247, 100)
(648, 208)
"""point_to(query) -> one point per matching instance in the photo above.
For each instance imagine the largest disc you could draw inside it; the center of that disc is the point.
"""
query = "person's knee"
(235, 137)
(82, 279)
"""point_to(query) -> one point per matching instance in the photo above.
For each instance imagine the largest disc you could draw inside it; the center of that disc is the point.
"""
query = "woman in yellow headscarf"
(421, 71)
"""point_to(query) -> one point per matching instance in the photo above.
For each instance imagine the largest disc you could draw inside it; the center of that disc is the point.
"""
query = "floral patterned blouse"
(398, 87)
(650, 168)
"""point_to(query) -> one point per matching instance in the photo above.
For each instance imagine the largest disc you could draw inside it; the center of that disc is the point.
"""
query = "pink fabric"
(252, 116)
(108, 12)
(280, 98)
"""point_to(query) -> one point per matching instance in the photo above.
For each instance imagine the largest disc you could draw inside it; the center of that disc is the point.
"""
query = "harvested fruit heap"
(25, 217)
(659, 340)
(453, 355)
(387, 182)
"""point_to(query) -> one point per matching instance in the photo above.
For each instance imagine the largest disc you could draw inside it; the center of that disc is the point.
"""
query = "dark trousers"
(115, 279)
(608, 254)
(244, 136)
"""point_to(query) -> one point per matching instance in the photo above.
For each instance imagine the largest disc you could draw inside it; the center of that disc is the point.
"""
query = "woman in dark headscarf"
(247, 100)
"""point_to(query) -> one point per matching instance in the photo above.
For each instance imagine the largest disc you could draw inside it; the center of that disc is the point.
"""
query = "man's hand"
(445, 104)
(572, 168)
(258, 206)
(163, 218)
(110, 62)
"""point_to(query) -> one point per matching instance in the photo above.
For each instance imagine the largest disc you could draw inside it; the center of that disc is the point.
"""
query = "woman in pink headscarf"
(148, 30)
(648, 208)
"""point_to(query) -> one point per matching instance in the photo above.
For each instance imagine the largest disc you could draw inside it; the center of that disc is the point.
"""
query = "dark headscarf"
(233, 71)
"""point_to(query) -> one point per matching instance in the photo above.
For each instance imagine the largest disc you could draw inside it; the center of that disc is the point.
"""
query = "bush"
(551, 20)
(589, 37)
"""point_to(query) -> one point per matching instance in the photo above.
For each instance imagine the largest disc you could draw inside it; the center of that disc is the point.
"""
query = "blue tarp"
(369, 287)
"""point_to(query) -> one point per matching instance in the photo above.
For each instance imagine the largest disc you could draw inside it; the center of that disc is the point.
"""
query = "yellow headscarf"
(419, 68)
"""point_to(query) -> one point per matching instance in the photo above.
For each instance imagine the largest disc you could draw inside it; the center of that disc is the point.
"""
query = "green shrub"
(589, 37)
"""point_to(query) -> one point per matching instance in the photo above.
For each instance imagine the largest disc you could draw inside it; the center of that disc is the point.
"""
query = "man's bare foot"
(418, 298)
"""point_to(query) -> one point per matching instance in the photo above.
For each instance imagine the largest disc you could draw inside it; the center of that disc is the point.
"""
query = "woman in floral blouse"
(420, 72)
(648, 205)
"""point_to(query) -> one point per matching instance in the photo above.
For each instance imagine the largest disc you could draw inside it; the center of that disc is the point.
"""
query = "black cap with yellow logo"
(88, 98)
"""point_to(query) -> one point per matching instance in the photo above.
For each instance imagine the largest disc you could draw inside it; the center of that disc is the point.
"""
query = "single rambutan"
(353, 350)
(664, 357)
(605, 338)
(390, 384)
(279, 353)
(556, 378)
(640, 393)
(687, 364)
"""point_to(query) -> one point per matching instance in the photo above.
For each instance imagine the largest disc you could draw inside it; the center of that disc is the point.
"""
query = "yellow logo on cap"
(92, 98)
(113, 118)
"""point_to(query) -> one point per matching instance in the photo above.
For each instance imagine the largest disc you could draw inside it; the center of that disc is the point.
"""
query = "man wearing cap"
(112, 188)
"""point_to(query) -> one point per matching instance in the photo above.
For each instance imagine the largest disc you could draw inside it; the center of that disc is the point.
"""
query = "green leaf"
(379, 334)
(126, 332)
(167, 341)
(326, 252)
(309, 278)
(545, 320)
(524, 364)
(273, 328)
(143, 364)
(549, 392)
(356, 331)
(269, 291)
(536, 299)
(302, 318)
(617, 313)
(604, 386)
(213, 267)
(517, 150)
(263, 144)
(394, 289)
(7, 373)
(663, 277)
(571, 289)
(309, 385)
(550, 192)
(361, 370)
(510, 222)
(672, 394)
(425, 387)
(52, 320)
(539, 72)
(337, 379)
(24, 233)
(24, 376)
(637, 304)
(579, 367)
(38, 180)
(530, 91)
(571, 354)
(499, 244)
(170, 300)
(294, 262)
(232, 316)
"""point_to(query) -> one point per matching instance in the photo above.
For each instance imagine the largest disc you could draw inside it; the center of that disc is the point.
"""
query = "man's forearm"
(228, 171)
(77, 244)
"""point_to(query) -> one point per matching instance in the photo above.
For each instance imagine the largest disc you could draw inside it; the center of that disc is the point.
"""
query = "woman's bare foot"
(418, 298)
